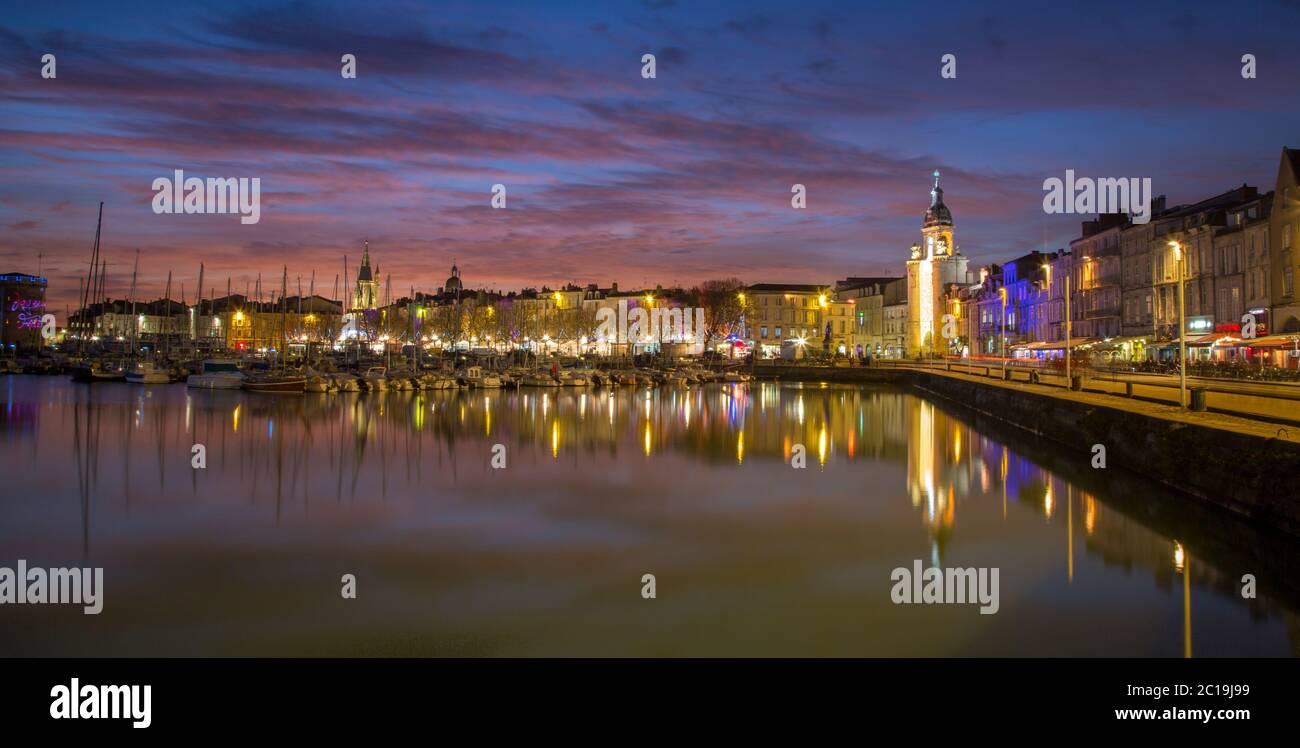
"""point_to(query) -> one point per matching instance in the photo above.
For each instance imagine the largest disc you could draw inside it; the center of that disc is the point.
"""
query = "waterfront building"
(1196, 228)
(868, 313)
(148, 323)
(895, 310)
(1137, 289)
(1256, 271)
(23, 297)
(1285, 242)
(1095, 270)
(235, 323)
(935, 264)
(789, 315)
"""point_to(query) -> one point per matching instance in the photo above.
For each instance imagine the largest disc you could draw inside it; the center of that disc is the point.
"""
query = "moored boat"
(217, 374)
(96, 371)
(476, 376)
(276, 383)
(144, 372)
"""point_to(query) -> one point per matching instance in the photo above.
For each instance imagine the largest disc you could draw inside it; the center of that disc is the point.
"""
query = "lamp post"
(1066, 322)
(1182, 337)
(1002, 294)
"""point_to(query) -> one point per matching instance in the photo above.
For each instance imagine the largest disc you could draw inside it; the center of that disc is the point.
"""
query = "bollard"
(1128, 389)
(1198, 400)
(1076, 382)
(1006, 374)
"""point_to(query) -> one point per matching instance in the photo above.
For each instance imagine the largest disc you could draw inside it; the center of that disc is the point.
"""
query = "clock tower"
(935, 264)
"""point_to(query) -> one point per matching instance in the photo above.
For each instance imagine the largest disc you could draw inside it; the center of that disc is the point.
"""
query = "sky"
(610, 177)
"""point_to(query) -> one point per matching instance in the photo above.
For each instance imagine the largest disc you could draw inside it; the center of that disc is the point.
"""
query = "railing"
(1265, 400)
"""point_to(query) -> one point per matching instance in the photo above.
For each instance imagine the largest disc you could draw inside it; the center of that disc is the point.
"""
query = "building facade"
(23, 297)
(1284, 230)
(935, 264)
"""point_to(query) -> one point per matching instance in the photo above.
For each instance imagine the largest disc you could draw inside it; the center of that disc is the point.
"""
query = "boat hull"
(277, 386)
(209, 382)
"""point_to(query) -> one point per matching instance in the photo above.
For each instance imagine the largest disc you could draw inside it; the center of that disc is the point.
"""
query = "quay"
(1245, 465)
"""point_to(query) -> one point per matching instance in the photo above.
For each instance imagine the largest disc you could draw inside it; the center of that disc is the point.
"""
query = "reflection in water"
(545, 556)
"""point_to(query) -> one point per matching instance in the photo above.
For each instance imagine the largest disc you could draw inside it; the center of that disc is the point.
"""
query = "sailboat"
(144, 372)
(281, 382)
(87, 369)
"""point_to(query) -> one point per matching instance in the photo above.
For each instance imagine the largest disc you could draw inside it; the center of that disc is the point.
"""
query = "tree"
(725, 304)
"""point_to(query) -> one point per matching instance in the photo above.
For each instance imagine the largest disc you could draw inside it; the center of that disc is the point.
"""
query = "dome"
(938, 213)
(453, 283)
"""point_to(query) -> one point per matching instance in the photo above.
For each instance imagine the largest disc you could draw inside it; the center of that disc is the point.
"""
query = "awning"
(1273, 341)
(1108, 344)
(1199, 340)
(1054, 345)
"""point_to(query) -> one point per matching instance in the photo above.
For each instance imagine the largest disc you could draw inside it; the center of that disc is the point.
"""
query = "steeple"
(938, 214)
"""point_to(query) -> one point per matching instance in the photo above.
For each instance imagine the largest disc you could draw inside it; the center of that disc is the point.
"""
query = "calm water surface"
(545, 557)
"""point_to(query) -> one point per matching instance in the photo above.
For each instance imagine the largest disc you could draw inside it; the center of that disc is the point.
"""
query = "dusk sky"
(611, 177)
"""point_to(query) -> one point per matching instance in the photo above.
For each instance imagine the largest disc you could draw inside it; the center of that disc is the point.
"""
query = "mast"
(198, 310)
(81, 286)
(167, 305)
(284, 314)
(135, 323)
(311, 292)
(103, 270)
(90, 277)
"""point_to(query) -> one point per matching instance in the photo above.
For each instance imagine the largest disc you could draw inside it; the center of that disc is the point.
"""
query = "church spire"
(938, 213)
(365, 252)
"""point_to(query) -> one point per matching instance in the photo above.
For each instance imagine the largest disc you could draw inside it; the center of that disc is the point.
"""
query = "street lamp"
(1002, 294)
(1182, 337)
(1066, 293)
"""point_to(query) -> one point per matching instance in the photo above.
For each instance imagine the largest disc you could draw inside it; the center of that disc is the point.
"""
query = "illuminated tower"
(936, 263)
(366, 294)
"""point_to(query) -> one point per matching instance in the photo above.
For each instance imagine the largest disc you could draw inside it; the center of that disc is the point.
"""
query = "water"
(546, 556)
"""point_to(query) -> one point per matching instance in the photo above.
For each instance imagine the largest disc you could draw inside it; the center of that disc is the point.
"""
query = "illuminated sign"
(29, 312)
(1200, 324)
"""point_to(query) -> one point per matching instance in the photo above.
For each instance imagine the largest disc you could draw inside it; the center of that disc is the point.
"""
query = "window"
(778, 332)
(764, 328)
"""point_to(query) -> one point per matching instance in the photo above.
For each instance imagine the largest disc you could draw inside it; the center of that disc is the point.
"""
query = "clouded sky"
(611, 177)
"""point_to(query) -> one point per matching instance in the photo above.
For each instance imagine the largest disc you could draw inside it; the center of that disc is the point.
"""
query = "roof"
(786, 288)
(21, 278)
